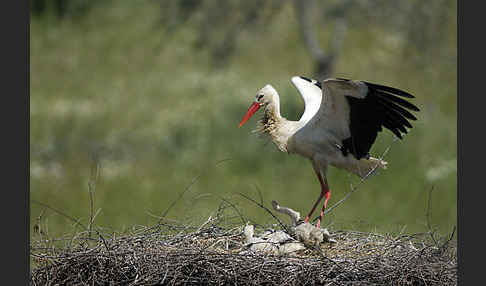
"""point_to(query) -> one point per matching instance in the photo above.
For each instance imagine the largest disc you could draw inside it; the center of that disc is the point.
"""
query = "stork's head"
(264, 96)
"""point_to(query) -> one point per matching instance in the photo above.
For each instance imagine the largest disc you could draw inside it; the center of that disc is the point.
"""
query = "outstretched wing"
(355, 111)
(311, 93)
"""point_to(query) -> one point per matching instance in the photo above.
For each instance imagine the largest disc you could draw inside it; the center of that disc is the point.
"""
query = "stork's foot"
(306, 220)
(318, 224)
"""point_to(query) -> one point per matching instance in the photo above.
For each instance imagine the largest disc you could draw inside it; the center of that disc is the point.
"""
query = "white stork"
(340, 123)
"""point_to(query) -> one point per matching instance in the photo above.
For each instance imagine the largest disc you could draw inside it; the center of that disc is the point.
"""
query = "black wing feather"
(392, 129)
(401, 110)
(391, 90)
(398, 100)
(379, 108)
(394, 124)
(396, 117)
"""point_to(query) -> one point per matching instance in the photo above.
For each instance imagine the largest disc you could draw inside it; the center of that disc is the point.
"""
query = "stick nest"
(217, 253)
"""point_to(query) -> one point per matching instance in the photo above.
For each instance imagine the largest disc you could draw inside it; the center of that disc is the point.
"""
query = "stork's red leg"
(328, 195)
(314, 207)
(324, 192)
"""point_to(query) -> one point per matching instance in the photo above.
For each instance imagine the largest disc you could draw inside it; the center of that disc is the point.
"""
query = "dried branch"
(361, 181)
(282, 225)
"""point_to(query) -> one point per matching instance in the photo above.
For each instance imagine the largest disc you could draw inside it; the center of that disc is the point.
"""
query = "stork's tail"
(368, 166)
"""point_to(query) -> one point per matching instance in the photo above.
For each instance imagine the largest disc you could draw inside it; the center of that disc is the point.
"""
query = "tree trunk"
(324, 62)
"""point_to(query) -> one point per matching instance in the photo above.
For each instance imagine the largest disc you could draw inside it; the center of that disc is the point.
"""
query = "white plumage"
(340, 123)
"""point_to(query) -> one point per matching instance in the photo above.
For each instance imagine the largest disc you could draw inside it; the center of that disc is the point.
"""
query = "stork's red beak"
(253, 108)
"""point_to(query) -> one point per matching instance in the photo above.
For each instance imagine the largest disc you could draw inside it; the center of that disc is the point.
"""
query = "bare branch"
(282, 225)
(362, 180)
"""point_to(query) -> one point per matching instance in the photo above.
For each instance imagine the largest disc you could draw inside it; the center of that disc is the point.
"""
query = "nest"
(219, 253)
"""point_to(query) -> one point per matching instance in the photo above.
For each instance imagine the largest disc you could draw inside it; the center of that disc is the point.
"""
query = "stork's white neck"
(273, 108)
(278, 127)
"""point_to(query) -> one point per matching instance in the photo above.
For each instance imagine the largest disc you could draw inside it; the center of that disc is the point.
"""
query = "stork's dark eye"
(260, 96)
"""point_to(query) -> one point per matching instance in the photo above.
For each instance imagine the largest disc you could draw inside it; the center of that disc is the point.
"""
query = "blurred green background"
(152, 92)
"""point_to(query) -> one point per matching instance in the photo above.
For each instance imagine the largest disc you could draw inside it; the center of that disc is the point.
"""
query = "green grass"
(159, 115)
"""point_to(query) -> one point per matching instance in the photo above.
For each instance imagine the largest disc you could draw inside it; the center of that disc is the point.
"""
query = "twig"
(242, 217)
(362, 180)
(204, 224)
(94, 174)
(444, 245)
(267, 210)
(259, 193)
(76, 221)
(427, 216)
(164, 214)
